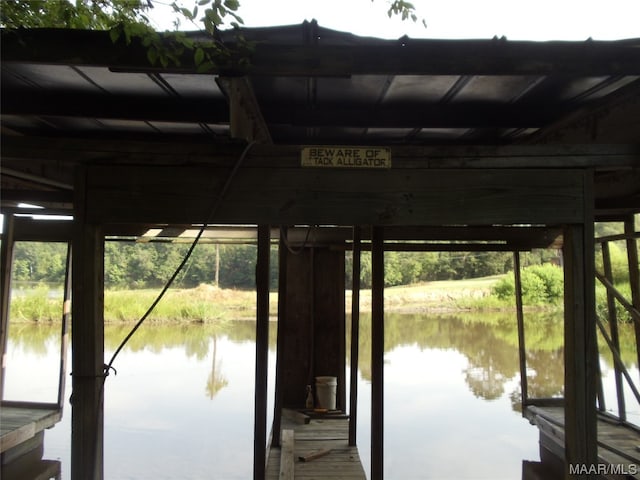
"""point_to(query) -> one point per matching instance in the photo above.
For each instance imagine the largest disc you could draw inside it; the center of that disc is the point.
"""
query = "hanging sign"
(345, 157)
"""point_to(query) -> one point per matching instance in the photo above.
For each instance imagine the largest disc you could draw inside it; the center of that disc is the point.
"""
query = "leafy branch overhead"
(129, 20)
(406, 10)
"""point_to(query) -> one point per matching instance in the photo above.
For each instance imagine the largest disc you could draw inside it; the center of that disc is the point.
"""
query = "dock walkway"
(325, 436)
(21, 421)
(618, 444)
(22, 426)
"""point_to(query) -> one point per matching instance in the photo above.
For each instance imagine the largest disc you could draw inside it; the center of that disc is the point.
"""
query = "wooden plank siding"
(311, 329)
(286, 196)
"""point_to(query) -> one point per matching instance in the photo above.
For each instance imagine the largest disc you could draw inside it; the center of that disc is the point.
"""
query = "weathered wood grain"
(341, 463)
(287, 469)
(617, 443)
(18, 424)
(286, 196)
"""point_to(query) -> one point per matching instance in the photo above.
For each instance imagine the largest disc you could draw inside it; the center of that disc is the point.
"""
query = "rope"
(108, 367)
(213, 210)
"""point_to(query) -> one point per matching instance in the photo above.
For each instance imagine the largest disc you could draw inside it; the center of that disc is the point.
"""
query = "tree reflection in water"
(188, 357)
(216, 380)
(489, 341)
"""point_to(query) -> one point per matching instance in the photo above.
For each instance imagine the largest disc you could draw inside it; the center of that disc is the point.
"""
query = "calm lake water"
(181, 405)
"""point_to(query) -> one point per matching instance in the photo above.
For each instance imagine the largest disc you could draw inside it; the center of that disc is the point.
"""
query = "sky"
(538, 20)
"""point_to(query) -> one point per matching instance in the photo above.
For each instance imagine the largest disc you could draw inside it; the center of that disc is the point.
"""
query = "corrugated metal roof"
(313, 102)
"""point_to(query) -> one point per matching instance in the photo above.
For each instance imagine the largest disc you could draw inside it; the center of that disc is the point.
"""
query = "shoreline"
(209, 304)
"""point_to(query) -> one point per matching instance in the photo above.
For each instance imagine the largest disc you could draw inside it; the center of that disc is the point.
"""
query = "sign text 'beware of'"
(346, 157)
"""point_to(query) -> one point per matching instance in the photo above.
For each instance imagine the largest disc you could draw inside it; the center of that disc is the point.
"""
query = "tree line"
(149, 265)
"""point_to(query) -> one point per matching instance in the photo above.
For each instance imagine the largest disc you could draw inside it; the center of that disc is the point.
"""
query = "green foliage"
(129, 20)
(541, 284)
(602, 306)
(406, 10)
(619, 262)
(39, 262)
(81, 14)
(552, 278)
(404, 268)
(198, 305)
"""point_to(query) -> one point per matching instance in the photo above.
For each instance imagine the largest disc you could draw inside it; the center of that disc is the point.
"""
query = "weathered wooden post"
(6, 259)
(522, 346)
(282, 307)
(311, 329)
(634, 272)
(87, 342)
(613, 325)
(262, 352)
(580, 340)
(377, 353)
(355, 335)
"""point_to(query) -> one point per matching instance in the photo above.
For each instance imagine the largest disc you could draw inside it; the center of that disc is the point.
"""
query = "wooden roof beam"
(246, 119)
(34, 150)
(78, 104)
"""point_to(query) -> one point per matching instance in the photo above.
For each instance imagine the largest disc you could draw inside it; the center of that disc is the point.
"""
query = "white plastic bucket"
(326, 392)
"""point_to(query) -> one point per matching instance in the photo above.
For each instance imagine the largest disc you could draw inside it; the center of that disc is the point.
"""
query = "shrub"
(540, 284)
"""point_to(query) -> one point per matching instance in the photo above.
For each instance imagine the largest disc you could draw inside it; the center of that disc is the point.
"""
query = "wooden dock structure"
(21, 421)
(354, 144)
(22, 426)
(618, 442)
(315, 450)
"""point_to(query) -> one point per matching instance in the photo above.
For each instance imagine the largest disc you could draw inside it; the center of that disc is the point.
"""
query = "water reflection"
(216, 381)
(181, 405)
(490, 344)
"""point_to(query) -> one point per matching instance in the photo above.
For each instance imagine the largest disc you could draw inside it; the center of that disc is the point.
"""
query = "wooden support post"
(355, 335)
(580, 348)
(522, 347)
(613, 325)
(282, 306)
(327, 321)
(64, 328)
(634, 273)
(262, 352)
(6, 261)
(377, 353)
(87, 343)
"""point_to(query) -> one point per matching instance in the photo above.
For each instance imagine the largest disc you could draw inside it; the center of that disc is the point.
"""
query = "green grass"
(36, 306)
(202, 304)
(446, 295)
(208, 304)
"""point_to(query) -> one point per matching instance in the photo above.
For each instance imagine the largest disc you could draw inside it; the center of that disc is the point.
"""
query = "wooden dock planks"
(341, 463)
(19, 424)
(617, 444)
